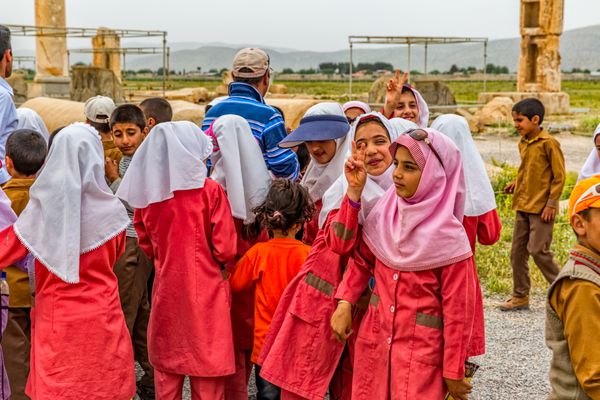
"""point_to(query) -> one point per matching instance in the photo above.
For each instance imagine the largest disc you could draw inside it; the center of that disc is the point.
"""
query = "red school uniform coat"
(189, 238)
(80, 346)
(418, 332)
(300, 354)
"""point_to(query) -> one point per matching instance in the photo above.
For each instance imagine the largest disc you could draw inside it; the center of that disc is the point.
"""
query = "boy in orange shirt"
(25, 155)
(273, 264)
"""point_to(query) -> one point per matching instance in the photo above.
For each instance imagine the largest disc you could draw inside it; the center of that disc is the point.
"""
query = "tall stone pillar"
(539, 63)
(51, 59)
(106, 46)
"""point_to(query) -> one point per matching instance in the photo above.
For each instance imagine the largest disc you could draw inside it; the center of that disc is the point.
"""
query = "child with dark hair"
(128, 127)
(273, 264)
(537, 191)
(25, 155)
(156, 110)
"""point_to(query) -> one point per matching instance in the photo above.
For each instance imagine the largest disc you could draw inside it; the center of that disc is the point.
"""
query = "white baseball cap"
(98, 109)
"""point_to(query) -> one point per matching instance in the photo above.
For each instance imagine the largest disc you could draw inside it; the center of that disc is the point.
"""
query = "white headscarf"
(421, 105)
(29, 119)
(402, 125)
(480, 195)
(71, 210)
(171, 158)
(592, 163)
(375, 186)
(319, 177)
(239, 166)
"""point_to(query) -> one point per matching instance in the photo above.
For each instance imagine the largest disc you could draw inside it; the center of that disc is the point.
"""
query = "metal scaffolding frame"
(71, 32)
(409, 41)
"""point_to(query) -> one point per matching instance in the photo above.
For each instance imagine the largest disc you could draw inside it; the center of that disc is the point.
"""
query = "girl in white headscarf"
(239, 167)
(184, 223)
(75, 228)
(404, 101)
(592, 163)
(481, 221)
(324, 128)
(29, 119)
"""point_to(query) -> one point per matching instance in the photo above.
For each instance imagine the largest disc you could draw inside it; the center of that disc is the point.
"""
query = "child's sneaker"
(515, 303)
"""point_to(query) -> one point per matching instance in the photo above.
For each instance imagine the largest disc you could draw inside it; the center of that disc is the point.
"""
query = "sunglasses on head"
(421, 135)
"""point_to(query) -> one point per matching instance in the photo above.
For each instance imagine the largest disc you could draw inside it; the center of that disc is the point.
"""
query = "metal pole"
(485, 44)
(350, 70)
(164, 74)
(409, 61)
(426, 48)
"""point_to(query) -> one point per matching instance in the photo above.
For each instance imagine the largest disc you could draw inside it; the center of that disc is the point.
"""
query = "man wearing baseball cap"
(97, 112)
(252, 75)
(573, 308)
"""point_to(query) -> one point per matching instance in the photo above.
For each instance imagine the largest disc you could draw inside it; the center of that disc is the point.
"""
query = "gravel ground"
(517, 360)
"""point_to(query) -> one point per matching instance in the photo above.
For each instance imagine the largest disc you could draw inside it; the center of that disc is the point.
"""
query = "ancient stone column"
(51, 59)
(106, 46)
(539, 63)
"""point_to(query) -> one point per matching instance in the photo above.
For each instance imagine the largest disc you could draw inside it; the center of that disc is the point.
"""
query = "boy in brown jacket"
(573, 306)
(25, 155)
(537, 191)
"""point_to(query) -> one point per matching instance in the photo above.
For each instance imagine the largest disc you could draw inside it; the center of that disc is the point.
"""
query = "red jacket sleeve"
(143, 239)
(11, 248)
(223, 233)
(458, 304)
(489, 228)
(341, 229)
(356, 278)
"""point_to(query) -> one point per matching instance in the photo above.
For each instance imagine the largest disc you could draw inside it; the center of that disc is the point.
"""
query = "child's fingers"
(363, 152)
(353, 149)
(397, 75)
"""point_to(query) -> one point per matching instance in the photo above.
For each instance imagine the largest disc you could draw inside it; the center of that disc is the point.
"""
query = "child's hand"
(458, 389)
(341, 322)
(394, 91)
(548, 214)
(111, 170)
(510, 188)
(356, 172)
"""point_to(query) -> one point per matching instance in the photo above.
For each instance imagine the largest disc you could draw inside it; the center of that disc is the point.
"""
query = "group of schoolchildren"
(211, 253)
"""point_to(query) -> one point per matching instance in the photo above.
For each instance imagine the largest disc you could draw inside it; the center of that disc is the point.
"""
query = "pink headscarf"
(425, 231)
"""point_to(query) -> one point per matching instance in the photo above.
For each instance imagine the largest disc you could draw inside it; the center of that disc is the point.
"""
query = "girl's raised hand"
(394, 90)
(356, 172)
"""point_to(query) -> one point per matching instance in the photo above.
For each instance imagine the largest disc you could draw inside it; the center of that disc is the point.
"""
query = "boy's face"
(588, 230)
(525, 126)
(128, 137)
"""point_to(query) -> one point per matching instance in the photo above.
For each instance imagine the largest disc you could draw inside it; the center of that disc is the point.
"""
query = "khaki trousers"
(133, 271)
(16, 347)
(533, 237)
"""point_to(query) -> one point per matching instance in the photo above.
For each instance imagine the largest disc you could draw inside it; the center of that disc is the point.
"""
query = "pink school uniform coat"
(80, 346)
(417, 333)
(300, 354)
(189, 238)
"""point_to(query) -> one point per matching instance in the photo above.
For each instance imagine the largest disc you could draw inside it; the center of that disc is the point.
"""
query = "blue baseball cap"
(317, 128)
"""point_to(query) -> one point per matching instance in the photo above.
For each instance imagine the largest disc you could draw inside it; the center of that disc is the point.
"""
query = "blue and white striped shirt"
(266, 123)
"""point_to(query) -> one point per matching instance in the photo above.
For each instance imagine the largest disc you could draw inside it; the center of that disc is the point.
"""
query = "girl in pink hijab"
(414, 244)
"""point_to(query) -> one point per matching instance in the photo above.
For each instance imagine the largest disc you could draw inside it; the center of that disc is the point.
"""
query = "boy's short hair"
(100, 126)
(27, 149)
(128, 114)
(530, 108)
(157, 108)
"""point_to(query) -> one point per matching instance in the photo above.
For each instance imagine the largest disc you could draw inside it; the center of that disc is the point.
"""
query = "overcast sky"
(319, 25)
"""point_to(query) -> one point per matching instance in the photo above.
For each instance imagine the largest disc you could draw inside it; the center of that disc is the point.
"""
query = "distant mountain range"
(579, 49)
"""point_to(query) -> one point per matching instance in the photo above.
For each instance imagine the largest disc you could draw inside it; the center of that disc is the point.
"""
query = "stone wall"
(90, 81)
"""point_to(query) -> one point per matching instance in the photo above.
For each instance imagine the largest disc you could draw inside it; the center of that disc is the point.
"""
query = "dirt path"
(504, 148)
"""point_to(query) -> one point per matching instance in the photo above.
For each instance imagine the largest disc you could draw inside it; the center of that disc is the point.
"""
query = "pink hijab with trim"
(424, 231)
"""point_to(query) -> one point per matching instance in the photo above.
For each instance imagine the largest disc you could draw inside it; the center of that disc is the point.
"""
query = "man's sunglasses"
(421, 135)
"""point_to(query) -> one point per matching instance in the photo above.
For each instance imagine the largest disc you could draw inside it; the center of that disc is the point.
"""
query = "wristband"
(353, 203)
(344, 302)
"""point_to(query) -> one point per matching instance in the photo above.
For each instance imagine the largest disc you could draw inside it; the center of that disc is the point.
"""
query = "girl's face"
(407, 174)
(407, 107)
(377, 142)
(597, 144)
(321, 150)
